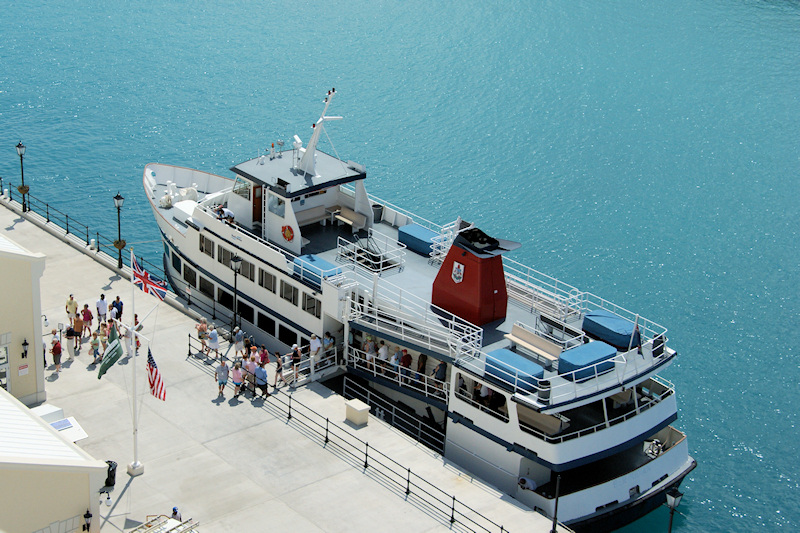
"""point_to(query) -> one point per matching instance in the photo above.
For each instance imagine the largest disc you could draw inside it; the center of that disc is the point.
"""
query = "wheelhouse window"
(207, 246)
(276, 205)
(311, 305)
(289, 292)
(266, 280)
(241, 188)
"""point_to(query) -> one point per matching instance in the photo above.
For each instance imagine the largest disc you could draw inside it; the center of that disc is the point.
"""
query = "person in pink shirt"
(250, 366)
(236, 377)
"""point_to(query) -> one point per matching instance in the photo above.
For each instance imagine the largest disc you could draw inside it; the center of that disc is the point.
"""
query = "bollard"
(92, 244)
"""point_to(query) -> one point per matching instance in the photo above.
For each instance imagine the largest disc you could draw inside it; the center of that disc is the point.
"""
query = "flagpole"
(135, 468)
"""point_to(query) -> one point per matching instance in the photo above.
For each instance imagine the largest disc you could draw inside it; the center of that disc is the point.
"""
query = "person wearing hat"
(296, 355)
(314, 347)
(238, 336)
(176, 515)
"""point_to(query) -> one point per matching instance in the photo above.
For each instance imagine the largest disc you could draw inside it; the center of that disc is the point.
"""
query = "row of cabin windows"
(264, 322)
(267, 280)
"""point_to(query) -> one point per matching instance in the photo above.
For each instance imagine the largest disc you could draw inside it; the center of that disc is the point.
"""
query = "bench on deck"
(356, 220)
(417, 238)
(549, 351)
(311, 215)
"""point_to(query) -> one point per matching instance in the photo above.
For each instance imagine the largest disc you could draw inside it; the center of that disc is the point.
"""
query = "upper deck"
(308, 214)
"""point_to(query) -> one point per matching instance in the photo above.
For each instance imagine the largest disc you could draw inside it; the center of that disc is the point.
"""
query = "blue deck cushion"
(610, 328)
(417, 238)
(583, 357)
(312, 268)
(503, 366)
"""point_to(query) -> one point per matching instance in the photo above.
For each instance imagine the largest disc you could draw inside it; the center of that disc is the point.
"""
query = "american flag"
(154, 377)
(146, 282)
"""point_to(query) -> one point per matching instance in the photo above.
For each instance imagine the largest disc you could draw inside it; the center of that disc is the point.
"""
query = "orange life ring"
(288, 233)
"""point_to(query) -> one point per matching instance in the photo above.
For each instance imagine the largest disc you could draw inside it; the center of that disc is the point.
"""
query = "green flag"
(112, 354)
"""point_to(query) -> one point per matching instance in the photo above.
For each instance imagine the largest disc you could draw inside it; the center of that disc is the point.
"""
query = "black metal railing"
(71, 226)
(399, 477)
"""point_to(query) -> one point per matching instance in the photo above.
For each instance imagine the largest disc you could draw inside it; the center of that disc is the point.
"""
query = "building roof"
(280, 174)
(27, 438)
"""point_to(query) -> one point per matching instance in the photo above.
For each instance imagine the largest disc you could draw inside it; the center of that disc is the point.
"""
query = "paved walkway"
(231, 465)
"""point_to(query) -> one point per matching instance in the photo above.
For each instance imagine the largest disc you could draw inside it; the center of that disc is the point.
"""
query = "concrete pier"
(232, 465)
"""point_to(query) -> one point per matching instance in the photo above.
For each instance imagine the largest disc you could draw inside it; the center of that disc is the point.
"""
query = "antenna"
(307, 163)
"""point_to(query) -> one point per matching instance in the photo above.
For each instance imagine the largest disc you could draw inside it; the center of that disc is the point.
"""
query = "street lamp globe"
(674, 497)
(20, 149)
(118, 200)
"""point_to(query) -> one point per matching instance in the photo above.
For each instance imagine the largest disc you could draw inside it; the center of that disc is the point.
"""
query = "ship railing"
(381, 253)
(566, 386)
(642, 404)
(300, 268)
(397, 311)
(392, 214)
(442, 242)
(427, 434)
(538, 291)
(391, 321)
(648, 329)
(408, 378)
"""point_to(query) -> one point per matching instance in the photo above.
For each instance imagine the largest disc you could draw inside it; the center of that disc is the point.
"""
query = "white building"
(47, 483)
(21, 355)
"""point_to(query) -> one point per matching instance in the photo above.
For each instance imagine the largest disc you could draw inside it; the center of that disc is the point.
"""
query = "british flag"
(146, 282)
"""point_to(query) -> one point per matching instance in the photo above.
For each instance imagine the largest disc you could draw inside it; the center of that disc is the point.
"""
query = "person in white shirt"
(314, 346)
(102, 309)
(383, 355)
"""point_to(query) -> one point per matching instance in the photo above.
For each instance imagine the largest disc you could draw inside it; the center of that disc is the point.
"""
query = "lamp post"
(236, 265)
(673, 501)
(23, 190)
(119, 244)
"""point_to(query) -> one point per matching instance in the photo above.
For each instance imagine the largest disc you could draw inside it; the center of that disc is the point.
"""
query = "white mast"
(307, 163)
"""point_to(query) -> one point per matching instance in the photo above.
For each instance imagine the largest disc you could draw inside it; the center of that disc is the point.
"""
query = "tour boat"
(547, 392)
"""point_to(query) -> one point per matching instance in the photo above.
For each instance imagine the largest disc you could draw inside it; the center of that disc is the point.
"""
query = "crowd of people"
(80, 329)
(399, 364)
(247, 369)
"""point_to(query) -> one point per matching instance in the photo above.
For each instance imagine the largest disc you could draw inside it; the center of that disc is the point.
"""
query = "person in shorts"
(261, 379)
(236, 377)
(278, 371)
(72, 309)
(221, 374)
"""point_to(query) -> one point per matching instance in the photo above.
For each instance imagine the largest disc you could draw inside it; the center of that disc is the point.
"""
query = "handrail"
(426, 385)
(407, 310)
(71, 226)
(448, 506)
(425, 433)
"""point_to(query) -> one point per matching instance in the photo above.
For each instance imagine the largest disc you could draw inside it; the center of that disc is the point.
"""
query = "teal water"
(646, 152)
